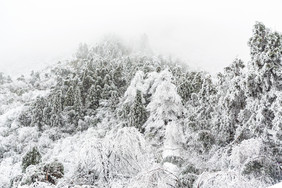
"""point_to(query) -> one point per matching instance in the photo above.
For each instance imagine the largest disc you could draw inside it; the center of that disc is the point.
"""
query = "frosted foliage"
(114, 117)
(155, 177)
(173, 140)
(137, 83)
(121, 154)
(93, 163)
(154, 79)
(230, 179)
(27, 134)
(149, 82)
(38, 185)
(171, 168)
(129, 152)
(69, 150)
(166, 103)
(247, 150)
(266, 50)
(155, 129)
(165, 106)
(8, 169)
(277, 108)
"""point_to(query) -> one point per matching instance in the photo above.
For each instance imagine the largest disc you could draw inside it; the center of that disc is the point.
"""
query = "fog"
(206, 34)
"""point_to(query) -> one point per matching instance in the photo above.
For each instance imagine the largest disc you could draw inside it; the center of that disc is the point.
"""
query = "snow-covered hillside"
(117, 117)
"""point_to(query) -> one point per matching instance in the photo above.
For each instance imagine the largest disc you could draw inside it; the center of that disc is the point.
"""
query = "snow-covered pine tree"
(114, 98)
(69, 99)
(77, 100)
(117, 76)
(263, 78)
(77, 109)
(165, 106)
(93, 97)
(185, 89)
(56, 106)
(189, 83)
(231, 100)
(32, 157)
(57, 102)
(205, 107)
(138, 113)
(106, 92)
(127, 101)
(265, 64)
(163, 126)
(37, 113)
(277, 128)
(199, 119)
(263, 87)
(87, 82)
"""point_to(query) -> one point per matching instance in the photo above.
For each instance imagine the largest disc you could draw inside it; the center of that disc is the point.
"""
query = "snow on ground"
(278, 185)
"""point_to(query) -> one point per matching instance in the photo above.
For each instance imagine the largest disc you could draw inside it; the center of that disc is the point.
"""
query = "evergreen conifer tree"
(165, 106)
(93, 97)
(231, 100)
(56, 119)
(37, 113)
(69, 99)
(32, 157)
(138, 114)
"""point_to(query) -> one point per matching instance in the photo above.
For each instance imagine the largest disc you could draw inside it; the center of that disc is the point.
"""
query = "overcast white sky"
(207, 34)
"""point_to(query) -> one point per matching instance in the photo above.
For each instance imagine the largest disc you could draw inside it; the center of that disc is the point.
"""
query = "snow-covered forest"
(117, 116)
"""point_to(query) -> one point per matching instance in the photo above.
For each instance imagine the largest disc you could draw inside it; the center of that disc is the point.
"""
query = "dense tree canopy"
(118, 117)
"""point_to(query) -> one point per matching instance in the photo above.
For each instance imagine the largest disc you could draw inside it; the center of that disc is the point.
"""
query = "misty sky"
(207, 34)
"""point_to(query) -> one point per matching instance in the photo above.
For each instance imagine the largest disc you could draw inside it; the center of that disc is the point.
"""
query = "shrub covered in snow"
(33, 157)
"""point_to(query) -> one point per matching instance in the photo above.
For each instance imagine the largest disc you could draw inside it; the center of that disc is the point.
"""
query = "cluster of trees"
(4, 79)
(97, 78)
(182, 114)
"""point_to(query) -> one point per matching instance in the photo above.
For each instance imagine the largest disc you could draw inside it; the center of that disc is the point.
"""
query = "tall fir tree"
(37, 113)
(231, 100)
(93, 97)
(138, 114)
(77, 106)
(56, 116)
(69, 99)
(164, 127)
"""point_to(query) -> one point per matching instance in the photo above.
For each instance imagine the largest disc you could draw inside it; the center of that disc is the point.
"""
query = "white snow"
(278, 185)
